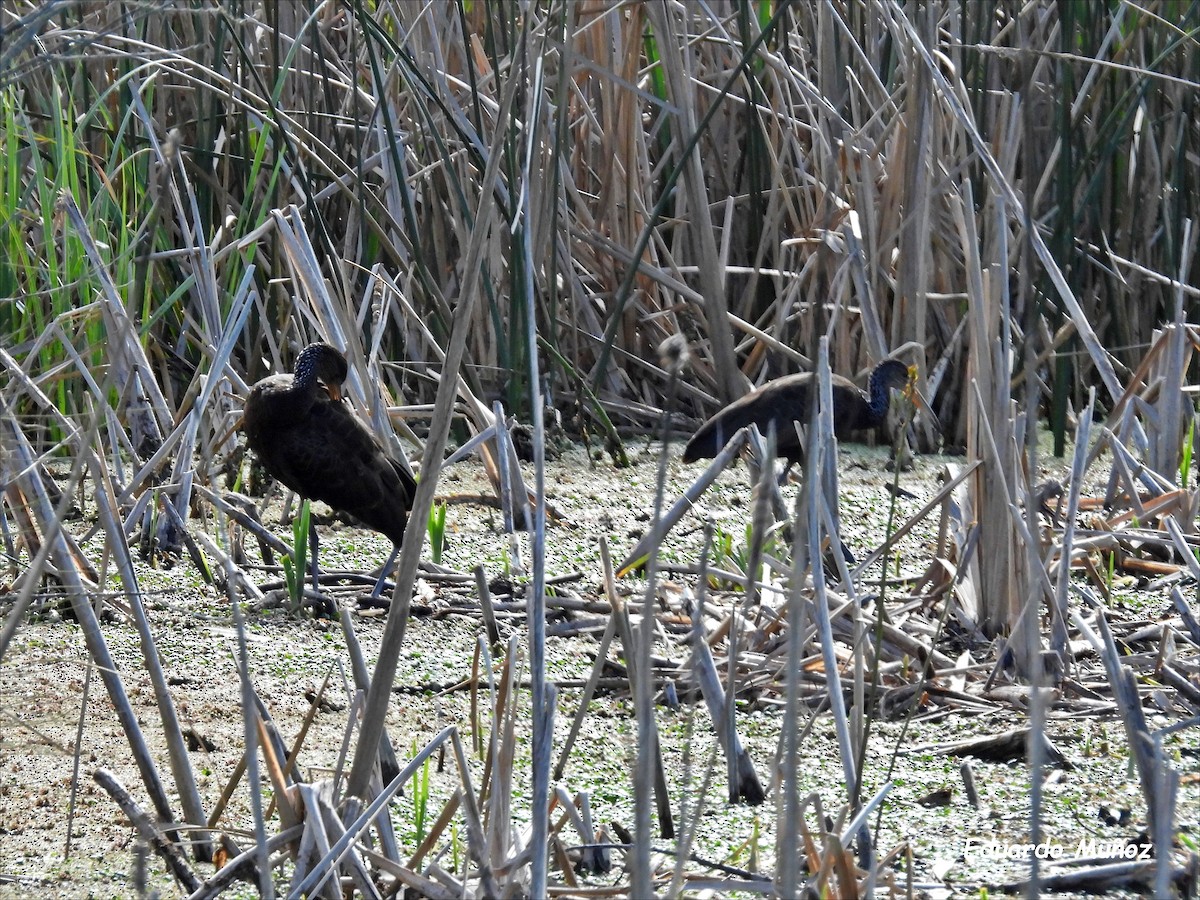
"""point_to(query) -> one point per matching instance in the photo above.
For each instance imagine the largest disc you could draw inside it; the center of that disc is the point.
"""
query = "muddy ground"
(45, 672)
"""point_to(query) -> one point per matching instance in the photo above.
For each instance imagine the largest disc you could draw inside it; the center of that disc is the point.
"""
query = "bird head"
(329, 366)
(893, 375)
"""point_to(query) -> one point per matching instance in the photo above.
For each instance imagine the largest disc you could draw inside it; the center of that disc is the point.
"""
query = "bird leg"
(378, 589)
(312, 543)
(797, 453)
(787, 467)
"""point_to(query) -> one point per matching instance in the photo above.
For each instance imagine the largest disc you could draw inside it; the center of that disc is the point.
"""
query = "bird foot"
(383, 573)
(785, 477)
(902, 463)
(380, 584)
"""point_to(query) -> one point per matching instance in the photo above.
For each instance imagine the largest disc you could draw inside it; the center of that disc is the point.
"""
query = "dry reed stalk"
(790, 827)
(146, 411)
(1159, 781)
(543, 696)
(663, 524)
(314, 842)
(495, 788)
(743, 782)
(250, 735)
(1058, 640)
(385, 669)
(678, 66)
(649, 777)
(597, 672)
(359, 823)
(954, 479)
(241, 866)
(990, 438)
(834, 156)
(814, 496)
(39, 547)
(80, 604)
(904, 30)
(181, 767)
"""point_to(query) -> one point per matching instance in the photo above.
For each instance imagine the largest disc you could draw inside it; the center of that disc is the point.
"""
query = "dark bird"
(309, 440)
(787, 400)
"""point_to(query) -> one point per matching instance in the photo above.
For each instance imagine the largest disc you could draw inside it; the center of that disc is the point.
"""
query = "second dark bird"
(788, 400)
(309, 440)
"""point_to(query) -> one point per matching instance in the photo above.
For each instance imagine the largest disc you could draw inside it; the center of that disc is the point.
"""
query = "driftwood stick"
(1006, 746)
(1099, 879)
(148, 830)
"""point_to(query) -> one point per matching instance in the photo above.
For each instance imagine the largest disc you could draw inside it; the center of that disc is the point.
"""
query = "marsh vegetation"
(551, 239)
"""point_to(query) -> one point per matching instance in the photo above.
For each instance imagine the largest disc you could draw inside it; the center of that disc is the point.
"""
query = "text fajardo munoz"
(977, 850)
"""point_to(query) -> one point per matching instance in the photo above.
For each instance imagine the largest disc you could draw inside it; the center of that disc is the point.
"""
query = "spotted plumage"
(309, 440)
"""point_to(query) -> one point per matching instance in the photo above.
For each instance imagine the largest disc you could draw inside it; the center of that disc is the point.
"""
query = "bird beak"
(910, 391)
(917, 399)
(334, 391)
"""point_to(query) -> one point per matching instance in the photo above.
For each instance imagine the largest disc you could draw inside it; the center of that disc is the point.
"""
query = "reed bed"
(602, 220)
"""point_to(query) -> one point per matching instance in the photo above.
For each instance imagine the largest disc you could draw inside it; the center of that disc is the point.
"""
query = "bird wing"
(334, 458)
(408, 483)
(781, 402)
